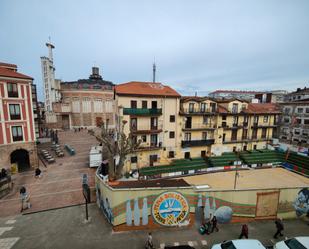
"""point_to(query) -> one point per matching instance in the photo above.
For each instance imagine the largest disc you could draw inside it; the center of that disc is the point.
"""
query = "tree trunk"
(119, 167)
(111, 169)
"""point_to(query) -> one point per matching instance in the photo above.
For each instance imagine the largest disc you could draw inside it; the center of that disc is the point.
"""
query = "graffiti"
(135, 215)
(224, 214)
(301, 203)
(104, 205)
(170, 209)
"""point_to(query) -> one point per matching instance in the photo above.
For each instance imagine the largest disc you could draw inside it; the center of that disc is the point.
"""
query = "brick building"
(17, 129)
(85, 103)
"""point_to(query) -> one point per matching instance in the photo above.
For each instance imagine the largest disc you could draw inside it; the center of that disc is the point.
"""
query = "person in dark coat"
(244, 231)
(280, 228)
(214, 224)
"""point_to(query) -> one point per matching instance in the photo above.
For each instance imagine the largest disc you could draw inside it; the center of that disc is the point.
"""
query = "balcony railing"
(152, 146)
(146, 129)
(15, 116)
(141, 111)
(193, 143)
(13, 94)
(195, 126)
(198, 110)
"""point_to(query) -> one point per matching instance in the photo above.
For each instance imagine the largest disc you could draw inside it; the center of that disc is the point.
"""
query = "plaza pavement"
(66, 228)
(61, 183)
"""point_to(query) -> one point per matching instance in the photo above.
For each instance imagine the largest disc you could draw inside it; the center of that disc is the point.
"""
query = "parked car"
(293, 243)
(239, 244)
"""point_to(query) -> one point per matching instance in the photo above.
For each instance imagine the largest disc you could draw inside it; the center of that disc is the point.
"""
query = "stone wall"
(6, 150)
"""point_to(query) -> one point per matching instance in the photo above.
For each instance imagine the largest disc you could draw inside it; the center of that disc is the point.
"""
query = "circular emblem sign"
(170, 209)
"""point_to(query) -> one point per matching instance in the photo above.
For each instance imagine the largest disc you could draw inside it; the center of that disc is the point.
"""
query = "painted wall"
(129, 206)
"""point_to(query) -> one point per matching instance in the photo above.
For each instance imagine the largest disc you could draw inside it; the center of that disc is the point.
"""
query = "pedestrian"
(25, 198)
(149, 243)
(214, 224)
(280, 228)
(37, 173)
(244, 231)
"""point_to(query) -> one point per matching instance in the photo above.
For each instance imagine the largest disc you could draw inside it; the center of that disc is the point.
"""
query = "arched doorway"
(21, 158)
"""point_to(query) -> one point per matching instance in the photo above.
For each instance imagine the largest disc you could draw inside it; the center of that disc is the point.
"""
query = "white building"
(51, 85)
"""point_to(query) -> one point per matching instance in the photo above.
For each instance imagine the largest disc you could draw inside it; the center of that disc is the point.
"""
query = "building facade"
(150, 111)
(85, 103)
(298, 95)
(294, 125)
(17, 128)
(229, 94)
(245, 126)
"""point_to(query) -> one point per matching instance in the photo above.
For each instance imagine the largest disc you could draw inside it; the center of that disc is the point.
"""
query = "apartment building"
(229, 94)
(294, 125)
(245, 126)
(17, 129)
(299, 95)
(198, 117)
(85, 103)
(150, 111)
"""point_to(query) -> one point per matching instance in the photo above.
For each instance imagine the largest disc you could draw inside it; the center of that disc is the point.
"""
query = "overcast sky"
(198, 45)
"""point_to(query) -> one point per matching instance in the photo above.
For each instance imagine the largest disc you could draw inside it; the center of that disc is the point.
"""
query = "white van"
(293, 243)
(240, 244)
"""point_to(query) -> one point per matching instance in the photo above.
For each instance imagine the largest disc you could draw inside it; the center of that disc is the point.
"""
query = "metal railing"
(203, 142)
(141, 111)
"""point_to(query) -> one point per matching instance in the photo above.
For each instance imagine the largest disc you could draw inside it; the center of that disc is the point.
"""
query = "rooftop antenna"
(154, 71)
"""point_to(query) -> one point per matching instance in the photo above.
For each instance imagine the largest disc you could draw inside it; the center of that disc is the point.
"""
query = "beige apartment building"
(151, 114)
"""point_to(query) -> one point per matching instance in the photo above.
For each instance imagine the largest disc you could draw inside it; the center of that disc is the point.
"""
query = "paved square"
(8, 243)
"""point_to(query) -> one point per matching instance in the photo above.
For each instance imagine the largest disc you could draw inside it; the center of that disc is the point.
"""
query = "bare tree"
(116, 148)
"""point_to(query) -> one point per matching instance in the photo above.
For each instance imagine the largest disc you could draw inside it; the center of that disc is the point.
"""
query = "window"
(133, 104)
(12, 90)
(298, 121)
(172, 118)
(144, 104)
(171, 154)
(153, 123)
(254, 147)
(14, 111)
(133, 124)
(286, 120)
(306, 121)
(307, 110)
(134, 159)
(265, 119)
(244, 134)
(187, 136)
(297, 132)
(187, 155)
(204, 135)
(234, 134)
(144, 138)
(235, 108)
(300, 110)
(17, 133)
(235, 120)
(264, 130)
(172, 134)
(305, 132)
(254, 133)
(256, 120)
(286, 110)
(191, 107)
(203, 107)
(205, 120)
(223, 117)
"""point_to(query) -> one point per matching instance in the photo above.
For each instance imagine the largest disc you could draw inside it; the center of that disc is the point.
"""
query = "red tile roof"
(13, 74)
(222, 109)
(3, 64)
(195, 98)
(262, 108)
(145, 88)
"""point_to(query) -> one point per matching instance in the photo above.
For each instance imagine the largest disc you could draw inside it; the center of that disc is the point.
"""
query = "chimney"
(95, 73)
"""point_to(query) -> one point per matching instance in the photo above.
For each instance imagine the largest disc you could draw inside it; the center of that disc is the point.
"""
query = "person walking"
(149, 243)
(280, 228)
(25, 198)
(214, 224)
(244, 231)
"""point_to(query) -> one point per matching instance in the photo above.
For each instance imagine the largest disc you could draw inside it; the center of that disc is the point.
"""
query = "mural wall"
(159, 207)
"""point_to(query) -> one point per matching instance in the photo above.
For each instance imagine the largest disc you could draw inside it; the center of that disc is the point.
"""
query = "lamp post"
(236, 171)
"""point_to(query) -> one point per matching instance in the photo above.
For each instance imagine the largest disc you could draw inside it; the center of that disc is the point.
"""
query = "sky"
(198, 46)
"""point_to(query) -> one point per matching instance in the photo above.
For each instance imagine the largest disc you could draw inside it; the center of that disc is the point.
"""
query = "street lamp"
(238, 162)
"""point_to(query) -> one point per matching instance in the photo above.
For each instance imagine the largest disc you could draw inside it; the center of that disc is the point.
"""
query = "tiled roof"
(145, 88)
(13, 74)
(195, 98)
(3, 64)
(222, 109)
(262, 108)
(227, 100)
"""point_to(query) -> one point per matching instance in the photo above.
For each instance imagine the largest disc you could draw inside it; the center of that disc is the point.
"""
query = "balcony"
(245, 140)
(141, 111)
(62, 107)
(199, 127)
(194, 143)
(234, 126)
(152, 146)
(146, 129)
(15, 116)
(256, 125)
(198, 111)
(13, 94)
